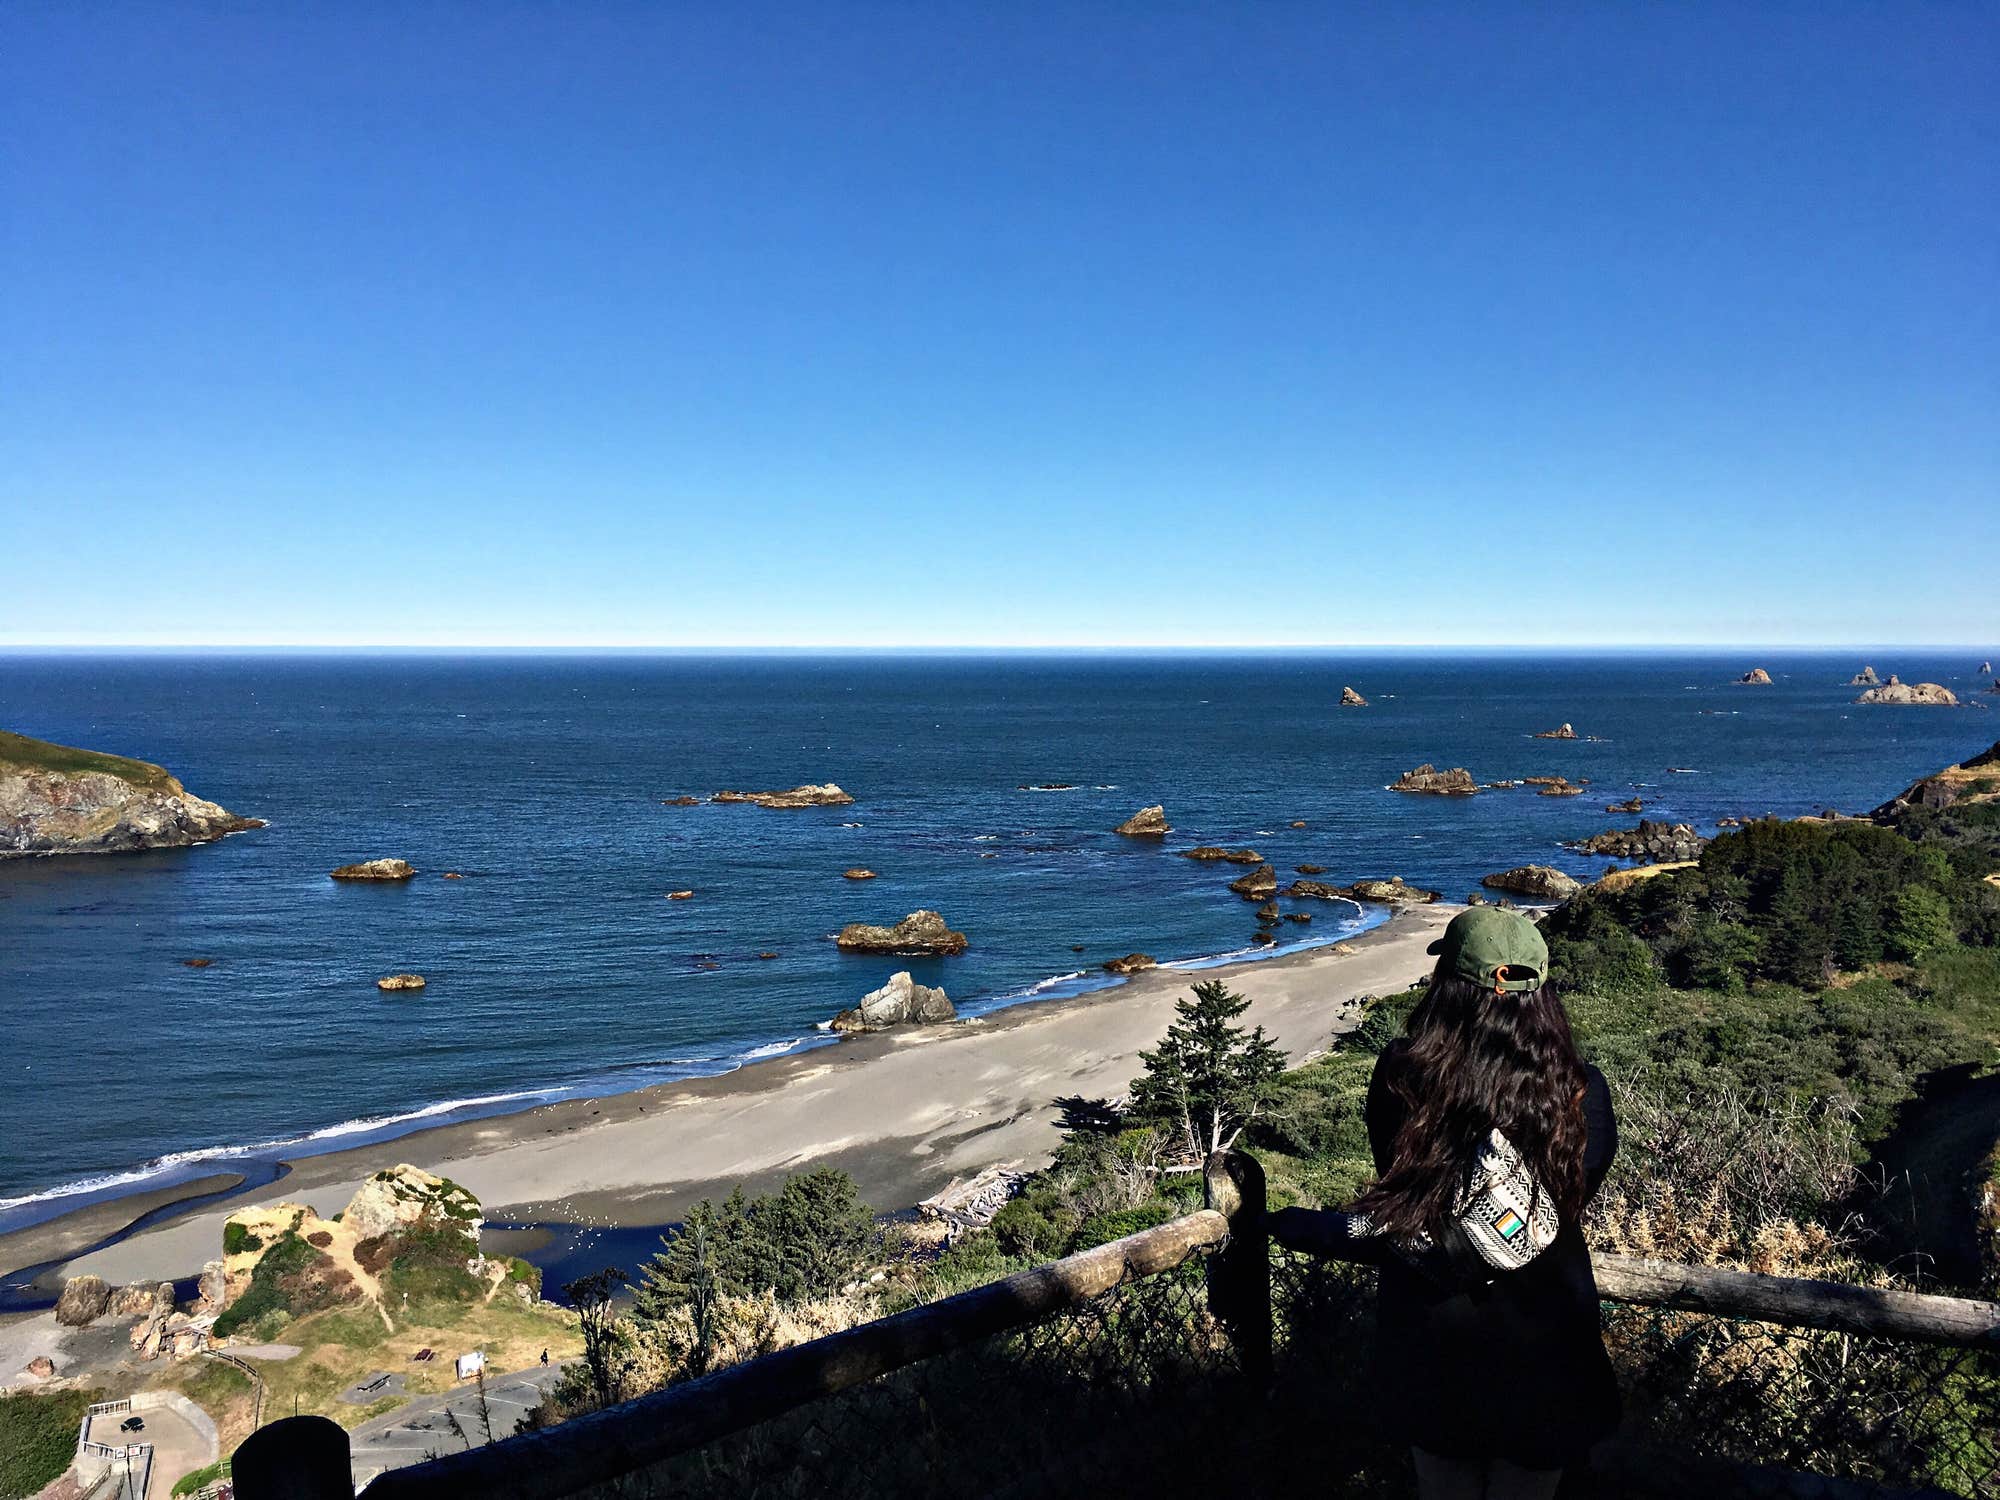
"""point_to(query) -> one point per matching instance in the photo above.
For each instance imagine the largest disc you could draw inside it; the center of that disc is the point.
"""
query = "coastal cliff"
(55, 799)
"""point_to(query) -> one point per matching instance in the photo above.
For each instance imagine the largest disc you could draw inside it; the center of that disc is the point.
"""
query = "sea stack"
(1864, 678)
(1427, 778)
(1897, 691)
(1146, 823)
(1560, 732)
(923, 932)
(56, 799)
(1351, 699)
(900, 1002)
(1755, 677)
(1261, 884)
(374, 869)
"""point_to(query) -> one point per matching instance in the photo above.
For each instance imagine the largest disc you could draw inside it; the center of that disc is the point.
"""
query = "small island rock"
(400, 982)
(1864, 678)
(1544, 881)
(1351, 699)
(1209, 852)
(1393, 891)
(680, 895)
(808, 795)
(859, 872)
(1560, 732)
(919, 932)
(1146, 823)
(374, 869)
(1259, 885)
(1630, 804)
(1131, 963)
(1427, 778)
(900, 1002)
(1897, 691)
(1755, 677)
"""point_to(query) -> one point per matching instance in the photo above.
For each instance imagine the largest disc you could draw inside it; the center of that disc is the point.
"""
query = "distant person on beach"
(1491, 1136)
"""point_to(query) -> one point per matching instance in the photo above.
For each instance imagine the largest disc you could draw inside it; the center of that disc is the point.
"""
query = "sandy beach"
(904, 1112)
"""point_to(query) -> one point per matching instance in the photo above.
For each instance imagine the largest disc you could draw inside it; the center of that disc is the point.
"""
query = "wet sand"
(904, 1111)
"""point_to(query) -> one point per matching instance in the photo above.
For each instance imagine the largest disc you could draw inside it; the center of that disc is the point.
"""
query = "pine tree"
(1209, 1077)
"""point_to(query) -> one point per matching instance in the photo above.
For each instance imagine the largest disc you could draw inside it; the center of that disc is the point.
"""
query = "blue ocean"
(556, 965)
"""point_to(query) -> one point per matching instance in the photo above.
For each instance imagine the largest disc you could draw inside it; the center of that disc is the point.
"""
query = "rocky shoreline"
(58, 799)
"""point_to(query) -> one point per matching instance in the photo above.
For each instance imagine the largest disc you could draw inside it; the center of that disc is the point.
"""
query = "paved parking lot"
(418, 1431)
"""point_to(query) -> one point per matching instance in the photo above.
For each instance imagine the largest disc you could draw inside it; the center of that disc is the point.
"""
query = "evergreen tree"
(1209, 1077)
(1922, 923)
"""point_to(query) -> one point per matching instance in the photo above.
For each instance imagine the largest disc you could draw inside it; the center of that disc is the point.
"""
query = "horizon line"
(979, 648)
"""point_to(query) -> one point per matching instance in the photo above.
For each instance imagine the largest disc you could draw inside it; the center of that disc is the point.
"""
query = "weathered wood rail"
(1233, 1235)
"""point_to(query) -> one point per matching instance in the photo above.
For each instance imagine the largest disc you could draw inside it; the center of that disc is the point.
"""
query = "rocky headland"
(1895, 690)
(1652, 841)
(1976, 779)
(828, 795)
(56, 799)
(921, 932)
(1146, 823)
(900, 1002)
(1427, 778)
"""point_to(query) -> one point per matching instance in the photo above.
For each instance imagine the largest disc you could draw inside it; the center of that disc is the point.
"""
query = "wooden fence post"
(1239, 1274)
(294, 1458)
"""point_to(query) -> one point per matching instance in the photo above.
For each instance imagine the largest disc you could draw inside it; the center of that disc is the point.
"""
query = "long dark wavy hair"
(1470, 1060)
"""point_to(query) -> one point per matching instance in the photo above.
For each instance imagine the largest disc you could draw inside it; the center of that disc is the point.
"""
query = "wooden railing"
(1232, 1237)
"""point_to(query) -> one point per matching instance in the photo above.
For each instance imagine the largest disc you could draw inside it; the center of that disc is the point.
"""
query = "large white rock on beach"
(400, 1196)
(900, 1002)
(82, 1301)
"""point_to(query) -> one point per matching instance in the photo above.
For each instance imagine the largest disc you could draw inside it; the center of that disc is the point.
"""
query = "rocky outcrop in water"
(1131, 963)
(808, 795)
(400, 982)
(1209, 852)
(919, 932)
(56, 799)
(1146, 823)
(1557, 786)
(859, 872)
(1630, 805)
(1864, 678)
(1560, 732)
(1652, 841)
(1393, 891)
(1351, 699)
(374, 869)
(1427, 778)
(1897, 691)
(1544, 882)
(1259, 885)
(900, 1002)
(1755, 677)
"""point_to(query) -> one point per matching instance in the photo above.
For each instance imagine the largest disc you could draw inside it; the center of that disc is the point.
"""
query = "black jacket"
(1512, 1369)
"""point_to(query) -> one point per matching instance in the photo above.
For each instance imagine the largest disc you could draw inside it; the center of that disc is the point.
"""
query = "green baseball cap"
(1494, 948)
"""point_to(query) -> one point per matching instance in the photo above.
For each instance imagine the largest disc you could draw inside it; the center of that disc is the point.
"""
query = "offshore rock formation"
(919, 932)
(400, 982)
(1351, 699)
(900, 1002)
(1146, 823)
(1560, 732)
(1630, 804)
(1864, 678)
(55, 799)
(1457, 782)
(1227, 856)
(374, 869)
(1895, 690)
(1542, 881)
(1392, 891)
(1131, 963)
(1259, 885)
(828, 795)
(1755, 677)
(1557, 786)
(1652, 841)
(859, 872)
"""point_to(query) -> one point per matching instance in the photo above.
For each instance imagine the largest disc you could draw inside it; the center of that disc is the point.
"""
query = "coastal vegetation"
(18, 752)
(38, 1438)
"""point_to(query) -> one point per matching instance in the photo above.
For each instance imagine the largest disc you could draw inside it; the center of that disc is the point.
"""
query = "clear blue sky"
(1017, 323)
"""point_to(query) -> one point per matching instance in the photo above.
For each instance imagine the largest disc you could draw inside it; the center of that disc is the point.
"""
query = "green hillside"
(20, 753)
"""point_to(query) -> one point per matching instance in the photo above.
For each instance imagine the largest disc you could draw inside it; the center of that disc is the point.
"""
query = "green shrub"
(291, 1277)
(427, 1263)
(187, 1484)
(237, 1238)
(1102, 1229)
(38, 1438)
(526, 1273)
